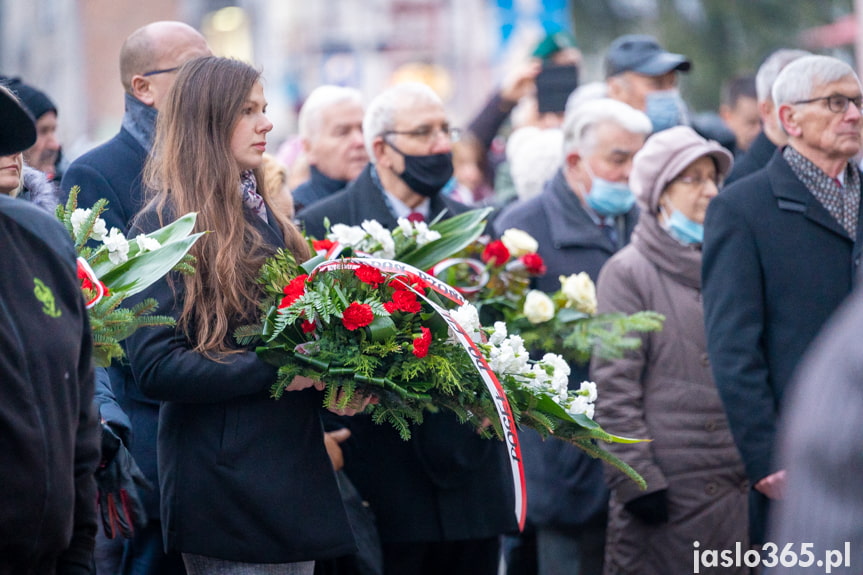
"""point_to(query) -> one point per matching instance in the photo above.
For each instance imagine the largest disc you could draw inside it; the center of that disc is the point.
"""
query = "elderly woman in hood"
(19, 180)
(696, 486)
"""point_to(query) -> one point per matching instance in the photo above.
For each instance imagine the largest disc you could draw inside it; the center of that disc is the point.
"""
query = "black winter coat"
(244, 477)
(566, 488)
(776, 265)
(49, 430)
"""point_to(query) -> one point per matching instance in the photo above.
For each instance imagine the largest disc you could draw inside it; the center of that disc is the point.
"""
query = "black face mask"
(426, 175)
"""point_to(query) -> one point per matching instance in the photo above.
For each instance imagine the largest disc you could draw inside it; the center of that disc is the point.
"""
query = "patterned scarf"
(251, 198)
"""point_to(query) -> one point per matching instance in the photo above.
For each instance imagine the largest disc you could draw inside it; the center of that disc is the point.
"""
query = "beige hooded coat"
(665, 391)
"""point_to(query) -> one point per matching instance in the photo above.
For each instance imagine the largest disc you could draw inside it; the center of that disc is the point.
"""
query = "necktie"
(416, 217)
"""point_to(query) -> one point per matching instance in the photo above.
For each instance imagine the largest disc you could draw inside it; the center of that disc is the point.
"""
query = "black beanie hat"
(17, 130)
(36, 101)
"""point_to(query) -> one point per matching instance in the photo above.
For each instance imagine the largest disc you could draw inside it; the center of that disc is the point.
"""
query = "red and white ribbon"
(493, 385)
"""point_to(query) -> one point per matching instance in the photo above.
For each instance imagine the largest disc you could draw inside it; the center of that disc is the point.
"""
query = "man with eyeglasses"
(149, 59)
(441, 499)
(782, 248)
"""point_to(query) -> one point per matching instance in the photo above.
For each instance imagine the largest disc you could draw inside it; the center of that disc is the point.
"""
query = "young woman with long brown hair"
(246, 483)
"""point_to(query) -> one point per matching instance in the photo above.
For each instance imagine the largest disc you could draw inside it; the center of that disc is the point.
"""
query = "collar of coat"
(569, 223)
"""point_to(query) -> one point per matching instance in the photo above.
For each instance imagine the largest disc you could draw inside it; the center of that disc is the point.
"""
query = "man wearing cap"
(45, 153)
(149, 60)
(782, 249)
(772, 135)
(583, 216)
(641, 73)
(49, 448)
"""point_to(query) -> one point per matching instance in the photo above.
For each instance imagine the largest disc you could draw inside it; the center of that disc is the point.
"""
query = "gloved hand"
(118, 479)
(651, 508)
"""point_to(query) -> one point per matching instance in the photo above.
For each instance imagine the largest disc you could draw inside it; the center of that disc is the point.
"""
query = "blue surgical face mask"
(608, 198)
(682, 228)
(666, 109)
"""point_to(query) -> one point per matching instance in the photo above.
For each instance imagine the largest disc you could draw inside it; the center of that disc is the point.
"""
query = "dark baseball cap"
(642, 54)
(17, 128)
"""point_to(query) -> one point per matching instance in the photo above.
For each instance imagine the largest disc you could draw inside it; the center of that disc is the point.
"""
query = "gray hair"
(579, 125)
(381, 113)
(801, 77)
(311, 116)
(770, 68)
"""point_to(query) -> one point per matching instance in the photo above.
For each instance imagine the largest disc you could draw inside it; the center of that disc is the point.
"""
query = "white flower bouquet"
(112, 268)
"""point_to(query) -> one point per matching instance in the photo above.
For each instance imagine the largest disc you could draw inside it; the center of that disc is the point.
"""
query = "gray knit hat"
(664, 156)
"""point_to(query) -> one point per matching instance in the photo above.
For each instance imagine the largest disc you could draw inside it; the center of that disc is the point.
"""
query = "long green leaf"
(456, 234)
(176, 230)
(137, 274)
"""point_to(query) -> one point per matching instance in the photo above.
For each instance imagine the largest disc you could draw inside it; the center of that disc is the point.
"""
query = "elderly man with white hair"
(583, 216)
(442, 499)
(331, 131)
(782, 249)
(772, 135)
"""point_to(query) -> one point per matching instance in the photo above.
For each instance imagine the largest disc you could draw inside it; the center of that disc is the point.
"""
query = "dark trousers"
(469, 557)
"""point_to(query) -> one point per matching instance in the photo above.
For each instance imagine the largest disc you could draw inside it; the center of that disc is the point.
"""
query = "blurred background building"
(69, 48)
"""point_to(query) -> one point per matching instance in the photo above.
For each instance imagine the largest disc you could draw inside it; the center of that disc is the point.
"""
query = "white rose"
(118, 247)
(538, 307)
(580, 292)
(519, 242)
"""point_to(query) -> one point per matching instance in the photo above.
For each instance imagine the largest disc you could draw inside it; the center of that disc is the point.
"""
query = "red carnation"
(406, 301)
(369, 275)
(322, 245)
(357, 315)
(534, 264)
(422, 343)
(495, 253)
(293, 291)
(408, 282)
(307, 326)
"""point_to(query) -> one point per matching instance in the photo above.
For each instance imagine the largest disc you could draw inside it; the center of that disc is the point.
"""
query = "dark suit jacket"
(113, 171)
(776, 265)
(244, 477)
(755, 158)
(565, 486)
(446, 483)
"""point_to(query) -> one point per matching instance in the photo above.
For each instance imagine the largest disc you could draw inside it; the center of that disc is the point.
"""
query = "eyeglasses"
(426, 134)
(837, 103)
(163, 71)
(697, 182)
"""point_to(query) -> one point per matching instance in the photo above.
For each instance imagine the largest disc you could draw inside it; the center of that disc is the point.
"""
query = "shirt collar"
(398, 208)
